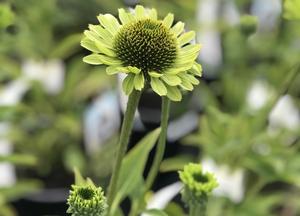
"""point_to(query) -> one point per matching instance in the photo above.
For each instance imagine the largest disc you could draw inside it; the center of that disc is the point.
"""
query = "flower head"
(87, 200)
(197, 185)
(146, 49)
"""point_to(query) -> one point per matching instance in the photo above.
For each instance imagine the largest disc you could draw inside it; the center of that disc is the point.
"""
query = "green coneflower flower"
(147, 49)
(87, 200)
(197, 188)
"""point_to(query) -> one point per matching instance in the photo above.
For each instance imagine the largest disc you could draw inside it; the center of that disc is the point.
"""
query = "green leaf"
(19, 159)
(155, 212)
(291, 9)
(175, 163)
(131, 173)
(79, 180)
(67, 46)
(158, 86)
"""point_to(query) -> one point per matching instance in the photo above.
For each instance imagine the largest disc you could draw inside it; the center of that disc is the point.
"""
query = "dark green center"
(146, 44)
(198, 177)
(86, 193)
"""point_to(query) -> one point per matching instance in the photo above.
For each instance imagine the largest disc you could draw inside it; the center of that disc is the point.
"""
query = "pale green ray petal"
(196, 69)
(95, 37)
(104, 49)
(174, 93)
(179, 68)
(158, 86)
(125, 17)
(109, 22)
(192, 79)
(188, 50)
(110, 70)
(90, 45)
(155, 74)
(186, 38)
(139, 12)
(139, 81)
(128, 84)
(134, 70)
(172, 80)
(93, 59)
(153, 14)
(185, 84)
(109, 60)
(177, 28)
(168, 20)
(103, 33)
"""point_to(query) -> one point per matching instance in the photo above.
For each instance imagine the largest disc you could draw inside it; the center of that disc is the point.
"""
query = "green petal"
(109, 22)
(192, 79)
(186, 38)
(104, 49)
(168, 20)
(177, 68)
(185, 84)
(196, 69)
(171, 80)
(177, 28)
(124, 16)
(174, 93)
(139, 81)
(95, 37)
(134, 70)
(103, 33)
(153, 14)
(93, 59)
(188, 50)
(158, 86)
(89, 45)
(128, 84)
(139, 12)
(155, 74)
(111, 70)
(109, 60)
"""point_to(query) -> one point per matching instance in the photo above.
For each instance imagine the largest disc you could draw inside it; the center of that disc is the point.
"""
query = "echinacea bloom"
(148, 50)
(197, 184)
(87, 200)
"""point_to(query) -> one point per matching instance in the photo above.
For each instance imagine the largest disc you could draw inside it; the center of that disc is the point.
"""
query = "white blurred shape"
(13, 92)
(285, 114)
(230, 13)
(258, 94)
(101, 121)
(268, 12)
(231, 183)
(162, 197)
(210, 54)
(7, 170)
(50, 73)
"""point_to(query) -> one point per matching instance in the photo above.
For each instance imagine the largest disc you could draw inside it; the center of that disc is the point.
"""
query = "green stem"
(127, 124)
(160, 149)
(197, 210)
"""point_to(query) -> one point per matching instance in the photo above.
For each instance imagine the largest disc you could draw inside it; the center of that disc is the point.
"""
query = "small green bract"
(87, 200)
(148, 50)
(197, 185)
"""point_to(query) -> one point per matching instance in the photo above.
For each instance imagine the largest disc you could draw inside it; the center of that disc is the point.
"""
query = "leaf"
(79, 180)
(67, 46)
(19, 159)
(291, 9)
(155, 212)
(175, 163)
(133, 166)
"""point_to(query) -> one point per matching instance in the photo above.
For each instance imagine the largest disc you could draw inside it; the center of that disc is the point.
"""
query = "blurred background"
(242, 122)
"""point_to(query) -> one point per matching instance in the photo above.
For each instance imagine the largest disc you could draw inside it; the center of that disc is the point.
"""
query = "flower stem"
(127, 124)
(197, 209)
(160, 149)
